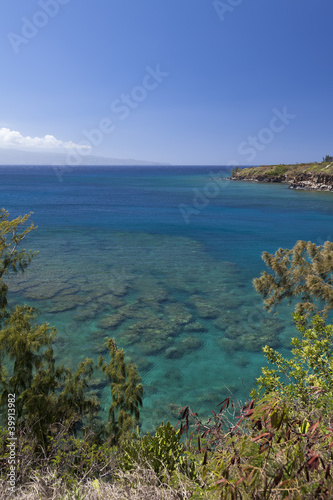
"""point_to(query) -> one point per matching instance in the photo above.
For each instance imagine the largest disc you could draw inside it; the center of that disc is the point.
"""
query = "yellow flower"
(97, 487)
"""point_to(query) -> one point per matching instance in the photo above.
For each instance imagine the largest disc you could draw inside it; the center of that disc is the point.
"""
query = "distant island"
(310, 176)
(10, 157)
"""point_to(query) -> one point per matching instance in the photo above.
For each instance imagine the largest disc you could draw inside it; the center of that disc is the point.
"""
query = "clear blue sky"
(227, 71)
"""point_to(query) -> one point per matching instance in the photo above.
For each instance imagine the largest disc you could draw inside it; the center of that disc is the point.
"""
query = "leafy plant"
(77, 459)
(49, 396)
(12, 233)
(274, 450)
(163, 451)
(304, 272)
(308, 375)
(278, 170)
(126, 392)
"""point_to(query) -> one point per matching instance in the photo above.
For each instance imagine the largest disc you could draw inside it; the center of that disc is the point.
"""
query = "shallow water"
(162, 259)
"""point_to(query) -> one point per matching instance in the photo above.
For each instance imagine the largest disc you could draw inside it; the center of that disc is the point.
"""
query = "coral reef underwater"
(187, 319)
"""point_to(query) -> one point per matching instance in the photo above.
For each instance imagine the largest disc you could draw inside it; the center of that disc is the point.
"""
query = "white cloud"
(13, 138)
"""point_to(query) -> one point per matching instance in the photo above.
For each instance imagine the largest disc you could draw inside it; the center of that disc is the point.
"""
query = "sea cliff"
(310, 176)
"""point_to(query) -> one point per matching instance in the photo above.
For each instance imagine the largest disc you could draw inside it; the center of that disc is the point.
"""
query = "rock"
(111, 300)
(195, 327)
(190, 343)
(131, 311)
(118, 289)
(154, 295)
(143, 365)
(98, 383)
(185, 346)
(154, 346)
(111, 321)
(99, 348)
(228, 345)
(312, 181)
(174, 353)
(66, 304)
(98, 334)
(178, 313)
(42, 292)
(85, 315)
(304, 176)
(88, 312)
(204, 307)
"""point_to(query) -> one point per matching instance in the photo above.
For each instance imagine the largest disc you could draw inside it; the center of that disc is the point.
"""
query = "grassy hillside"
(283, 171)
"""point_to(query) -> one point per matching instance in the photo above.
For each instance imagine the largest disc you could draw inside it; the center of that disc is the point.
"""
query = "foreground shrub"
(163, 451)
(276, 450)
(40, 399)
(281, 445)
(73, 460)
(308, 375)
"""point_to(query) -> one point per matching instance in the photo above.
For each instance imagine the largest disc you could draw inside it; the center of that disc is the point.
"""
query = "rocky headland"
(309, 176)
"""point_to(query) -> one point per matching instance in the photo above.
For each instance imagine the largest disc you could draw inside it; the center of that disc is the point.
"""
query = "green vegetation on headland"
(55, 444)
(318, 176)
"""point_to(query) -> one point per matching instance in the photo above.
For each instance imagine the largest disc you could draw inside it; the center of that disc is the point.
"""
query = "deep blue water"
(161, 258)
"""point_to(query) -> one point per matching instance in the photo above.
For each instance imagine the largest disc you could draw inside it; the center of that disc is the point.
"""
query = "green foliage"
(274, 451)
(327, 158)
(265, 172)
(307, 377)
(278, 170)
(28, 347)
(12, 233)
(49, 396)
(281, 444)
(126, 392)
(304, 272)
(78, 459)
(72, 459)
(162, 451)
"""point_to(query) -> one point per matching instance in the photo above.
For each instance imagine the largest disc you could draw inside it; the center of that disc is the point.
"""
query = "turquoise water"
(162, 259)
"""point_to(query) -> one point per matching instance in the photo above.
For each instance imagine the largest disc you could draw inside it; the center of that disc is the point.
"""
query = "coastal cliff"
(310, 176)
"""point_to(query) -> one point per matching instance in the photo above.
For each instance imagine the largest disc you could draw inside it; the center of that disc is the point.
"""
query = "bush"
(275, 450)
(307, 377)
(163, 451)
(279, 170)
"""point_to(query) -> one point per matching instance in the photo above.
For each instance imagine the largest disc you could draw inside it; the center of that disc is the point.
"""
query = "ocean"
(162, 259)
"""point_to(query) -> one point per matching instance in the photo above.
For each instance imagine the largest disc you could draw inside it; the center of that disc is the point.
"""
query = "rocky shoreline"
(312, 182)
(304, 180)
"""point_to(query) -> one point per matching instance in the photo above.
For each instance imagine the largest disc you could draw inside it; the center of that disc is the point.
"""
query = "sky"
(234, 82)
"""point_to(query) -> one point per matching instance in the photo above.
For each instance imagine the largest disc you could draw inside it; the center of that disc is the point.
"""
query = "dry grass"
(139, 485)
